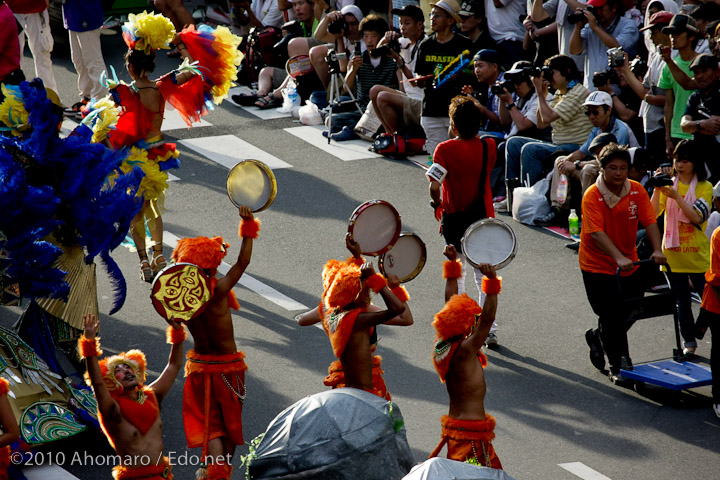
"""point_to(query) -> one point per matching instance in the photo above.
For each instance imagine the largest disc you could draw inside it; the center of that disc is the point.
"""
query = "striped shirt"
(573, 126)
(368, 76)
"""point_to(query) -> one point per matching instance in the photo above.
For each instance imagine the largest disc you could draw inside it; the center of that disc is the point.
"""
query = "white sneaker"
(491, 341)
(716, 409)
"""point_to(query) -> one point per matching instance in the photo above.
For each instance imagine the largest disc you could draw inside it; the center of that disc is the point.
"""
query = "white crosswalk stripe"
(268, 114)
(228, 150)
(581, 470)
(173, 121)
(345, 151)
(47, 472)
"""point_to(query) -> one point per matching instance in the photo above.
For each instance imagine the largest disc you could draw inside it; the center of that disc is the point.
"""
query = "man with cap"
(506, 29)
(702, 116)
(684, 36)
(580, 164)
(488, 72)
(343, 40)
(604, 27)
(473, 25)
(437, 52)
(401, 109)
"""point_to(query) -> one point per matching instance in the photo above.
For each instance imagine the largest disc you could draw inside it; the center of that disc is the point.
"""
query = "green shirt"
(667, 81)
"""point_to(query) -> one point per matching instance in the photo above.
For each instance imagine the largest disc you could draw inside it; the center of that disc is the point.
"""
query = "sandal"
(245, 99)
(267, 102)
(146, 273)
(158, 261)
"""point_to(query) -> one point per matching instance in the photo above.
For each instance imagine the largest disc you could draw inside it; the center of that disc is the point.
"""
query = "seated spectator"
(702, 117)
(365, 71)
(581, 164)
(437, 52)
(487, 73)
(604, 28)
(525, 157)
(506, 29)
(258, 14)
(345, 39)
(474, 26)
(399, 110)
(561, 28)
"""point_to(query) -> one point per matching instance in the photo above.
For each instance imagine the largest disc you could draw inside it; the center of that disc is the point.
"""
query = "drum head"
(375, 226)
(298, 65)
(251, 183)
(405, 259)
(489, 241)
(180, 292)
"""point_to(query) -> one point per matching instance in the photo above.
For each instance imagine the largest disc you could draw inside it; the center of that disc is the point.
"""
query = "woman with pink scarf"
(687, 207)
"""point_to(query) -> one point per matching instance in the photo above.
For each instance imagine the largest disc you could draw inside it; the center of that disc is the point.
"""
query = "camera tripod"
(337, 79)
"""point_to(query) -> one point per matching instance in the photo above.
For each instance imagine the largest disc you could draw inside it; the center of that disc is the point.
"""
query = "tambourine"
(251, 183)
(489, 241)
(298, 65)
(180, 292)
(375, 226)
(406, 258)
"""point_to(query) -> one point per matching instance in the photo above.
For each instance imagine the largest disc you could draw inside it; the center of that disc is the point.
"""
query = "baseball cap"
(658, 18)
(681, 23)
(704, 60)
(598, 98)
(519, 67)
(450, 7)
(716, 190)
(602, 140)
(353, 10)
(597, 3)
(468, 9)
(487, 55)
(412, 11)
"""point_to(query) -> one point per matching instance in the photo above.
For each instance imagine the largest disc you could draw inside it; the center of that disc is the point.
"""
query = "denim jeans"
(683, 301)
(524, 157)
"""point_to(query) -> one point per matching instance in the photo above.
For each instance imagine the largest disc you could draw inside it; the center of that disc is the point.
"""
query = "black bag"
(397, 146)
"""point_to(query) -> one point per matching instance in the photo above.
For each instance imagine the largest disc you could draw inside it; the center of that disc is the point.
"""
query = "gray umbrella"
(444, 469)
(338, 434)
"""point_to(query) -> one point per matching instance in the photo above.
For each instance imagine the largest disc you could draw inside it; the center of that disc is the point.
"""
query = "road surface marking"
(269, 114)
(227, 150)
(345, 151)
(250, 283)
(47, 472)
(583, 471)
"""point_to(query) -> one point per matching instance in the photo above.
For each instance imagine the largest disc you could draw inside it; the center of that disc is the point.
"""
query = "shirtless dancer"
(129, 412)
(350, 320)
(462, 327)
(215, 385)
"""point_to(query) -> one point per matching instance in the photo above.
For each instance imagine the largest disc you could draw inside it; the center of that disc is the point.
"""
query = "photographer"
(342, 29)
(366, 70)
(486, 65)
(400, 109)
(602, 28)
(506, 29)
(562, 27)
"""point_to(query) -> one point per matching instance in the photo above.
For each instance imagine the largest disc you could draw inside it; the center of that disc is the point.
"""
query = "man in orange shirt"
(611, 210)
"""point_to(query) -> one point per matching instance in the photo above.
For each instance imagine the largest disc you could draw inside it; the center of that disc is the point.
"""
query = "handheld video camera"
(660, 180)
(616, 57)
(332, 58)
(578, 17)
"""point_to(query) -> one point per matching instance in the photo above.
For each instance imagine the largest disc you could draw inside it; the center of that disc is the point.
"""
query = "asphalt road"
(552, 407)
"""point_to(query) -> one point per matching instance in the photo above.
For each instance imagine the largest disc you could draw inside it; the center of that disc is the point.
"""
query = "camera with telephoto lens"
(600, 79)
(338, 26)
(497, 89)
(616, 57)
(545, 72)
(660, 180)
(577, 17)
(383, 50)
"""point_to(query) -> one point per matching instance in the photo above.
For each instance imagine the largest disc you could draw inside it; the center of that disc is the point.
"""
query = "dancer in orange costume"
(129, 412)
(215, 385)
(462, 327)
(350, 320)
(9, 431)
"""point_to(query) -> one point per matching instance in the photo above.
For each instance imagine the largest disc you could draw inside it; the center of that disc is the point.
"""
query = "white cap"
(598, 98)
(716, 190)
(353, 10)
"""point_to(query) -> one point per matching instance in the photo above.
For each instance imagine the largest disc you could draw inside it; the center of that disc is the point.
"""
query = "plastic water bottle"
(573, 223)
(562, 188)
(292, 94)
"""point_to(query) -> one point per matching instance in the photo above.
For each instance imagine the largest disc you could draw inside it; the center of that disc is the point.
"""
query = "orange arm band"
(249, 229)
(175, 335)
(4, 387)
(89, 347)
(376, 282)
(491, 286)
(355, 261)
(401, 293)
(452, 269)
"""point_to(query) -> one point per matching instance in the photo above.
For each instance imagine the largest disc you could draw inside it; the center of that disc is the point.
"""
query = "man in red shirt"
(460, 182)
(612, 208)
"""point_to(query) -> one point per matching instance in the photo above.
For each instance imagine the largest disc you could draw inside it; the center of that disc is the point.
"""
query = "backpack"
(397, 146)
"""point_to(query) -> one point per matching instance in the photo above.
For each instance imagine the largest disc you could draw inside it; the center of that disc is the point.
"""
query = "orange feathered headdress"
(457, 317)
(342, 284)
(135, 359)
(206, 253)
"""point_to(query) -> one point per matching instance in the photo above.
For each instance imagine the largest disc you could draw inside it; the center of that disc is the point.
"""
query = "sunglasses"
(592, 113)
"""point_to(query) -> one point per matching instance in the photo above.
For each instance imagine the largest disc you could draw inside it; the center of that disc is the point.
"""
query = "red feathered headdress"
(457, 317)
(206, 253)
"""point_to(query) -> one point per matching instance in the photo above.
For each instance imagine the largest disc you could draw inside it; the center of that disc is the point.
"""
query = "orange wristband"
(491, 286)
(175, 335)
(249, 229)
(452, 269)
(401, 293)
(376, 282)
(89, 347)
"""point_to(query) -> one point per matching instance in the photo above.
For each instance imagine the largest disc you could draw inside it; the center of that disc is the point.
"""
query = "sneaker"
(76, 109)
(620, 380)
(500, 206)
(626, 364)
(491, 341)
(716, 409)
(345, 134)
(575, 246)
(597, 356)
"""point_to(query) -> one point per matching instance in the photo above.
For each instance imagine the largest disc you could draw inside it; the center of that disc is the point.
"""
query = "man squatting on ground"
(462, 327)
(350, 320)
(129, 412)
(215, 370)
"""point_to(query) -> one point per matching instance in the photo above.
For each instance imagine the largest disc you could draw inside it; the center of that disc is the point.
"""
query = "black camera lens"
(337, 26)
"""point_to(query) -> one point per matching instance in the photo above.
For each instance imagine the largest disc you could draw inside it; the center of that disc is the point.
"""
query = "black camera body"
(639, 67)
(578, 17)
(545, 72)
(497, 89)
(383, 50)
(600, 79)
(616, 57)
(338, 26)
(660, 180)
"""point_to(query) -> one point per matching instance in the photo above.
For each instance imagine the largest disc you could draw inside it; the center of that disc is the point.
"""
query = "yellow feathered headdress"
(148, 32)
